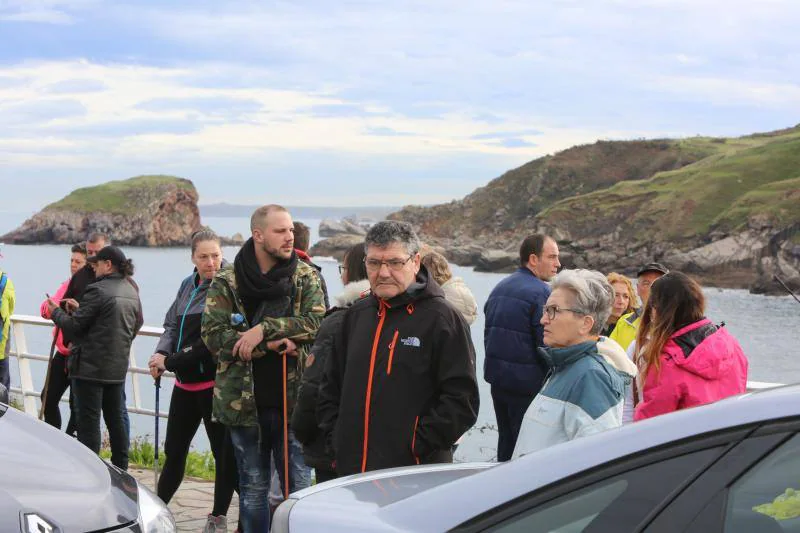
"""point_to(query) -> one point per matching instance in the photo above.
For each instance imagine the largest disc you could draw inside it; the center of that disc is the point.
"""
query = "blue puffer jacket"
(513, 333)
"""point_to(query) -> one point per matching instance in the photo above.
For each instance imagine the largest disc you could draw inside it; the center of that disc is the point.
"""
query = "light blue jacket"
(583, 394)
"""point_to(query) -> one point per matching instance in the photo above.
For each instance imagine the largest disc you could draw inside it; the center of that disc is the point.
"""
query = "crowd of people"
(284, 383)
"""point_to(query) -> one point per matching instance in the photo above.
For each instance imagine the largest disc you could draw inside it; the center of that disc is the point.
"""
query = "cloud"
(224, 106)
(504, 134)
(41, 111)
(383, 131)
(75, 86)
(515, 143)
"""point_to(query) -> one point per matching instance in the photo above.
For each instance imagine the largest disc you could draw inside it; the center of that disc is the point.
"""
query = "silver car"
(51, 483)
(733, 466)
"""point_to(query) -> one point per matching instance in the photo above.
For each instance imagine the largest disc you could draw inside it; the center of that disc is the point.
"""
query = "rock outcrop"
(330, 228)
(336, 246)
(140, 211)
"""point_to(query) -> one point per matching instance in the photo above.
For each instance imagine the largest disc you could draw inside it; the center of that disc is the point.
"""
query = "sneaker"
(216, 524)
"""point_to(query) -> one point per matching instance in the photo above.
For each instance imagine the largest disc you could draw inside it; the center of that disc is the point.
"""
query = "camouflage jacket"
(234, 401)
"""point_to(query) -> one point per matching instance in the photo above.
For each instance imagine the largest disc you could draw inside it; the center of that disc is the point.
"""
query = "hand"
(51, 305)
(156, 364)
(281, 346)
(71, 304)
(247, 343)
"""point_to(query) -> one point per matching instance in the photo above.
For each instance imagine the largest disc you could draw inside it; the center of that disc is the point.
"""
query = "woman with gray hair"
(587, 377)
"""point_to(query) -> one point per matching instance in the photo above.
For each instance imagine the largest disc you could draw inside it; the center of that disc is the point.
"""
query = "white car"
(732, 466)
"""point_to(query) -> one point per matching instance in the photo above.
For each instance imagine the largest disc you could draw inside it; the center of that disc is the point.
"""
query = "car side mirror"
(3, 394)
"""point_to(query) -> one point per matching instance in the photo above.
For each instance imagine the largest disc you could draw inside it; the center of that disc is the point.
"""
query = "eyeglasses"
(342, 268)
(552, 310)
(373, 265)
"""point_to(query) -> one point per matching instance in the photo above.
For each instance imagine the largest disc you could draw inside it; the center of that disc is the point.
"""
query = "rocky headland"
(140, 211)
(724, 209)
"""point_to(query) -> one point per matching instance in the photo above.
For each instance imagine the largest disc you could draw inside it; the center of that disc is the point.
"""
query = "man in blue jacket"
(513, 334)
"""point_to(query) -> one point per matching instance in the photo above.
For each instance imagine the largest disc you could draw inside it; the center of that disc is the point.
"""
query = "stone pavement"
(192, 503)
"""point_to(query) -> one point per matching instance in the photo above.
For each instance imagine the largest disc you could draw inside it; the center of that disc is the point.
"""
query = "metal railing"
(30, 395)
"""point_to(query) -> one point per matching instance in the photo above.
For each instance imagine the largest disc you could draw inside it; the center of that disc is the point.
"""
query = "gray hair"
(387, 232)
(204, 235)
(593, 293)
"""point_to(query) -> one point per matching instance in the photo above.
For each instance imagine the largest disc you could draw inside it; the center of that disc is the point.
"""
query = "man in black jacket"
(103, 326)
(399, 386)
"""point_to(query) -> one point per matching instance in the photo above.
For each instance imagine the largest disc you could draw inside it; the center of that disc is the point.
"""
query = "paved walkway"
(192, 503)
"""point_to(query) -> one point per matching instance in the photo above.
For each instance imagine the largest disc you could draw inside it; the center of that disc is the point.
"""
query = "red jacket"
(63, 350)
(701, 363)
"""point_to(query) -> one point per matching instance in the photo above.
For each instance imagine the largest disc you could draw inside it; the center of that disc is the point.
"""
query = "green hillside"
(121, 197)
(748, 176)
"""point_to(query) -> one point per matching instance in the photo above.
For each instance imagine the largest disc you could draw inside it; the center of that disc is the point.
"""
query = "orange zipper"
(391, 351)
(382, 313)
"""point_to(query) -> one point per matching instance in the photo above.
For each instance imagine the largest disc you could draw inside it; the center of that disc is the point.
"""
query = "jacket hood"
(352, 293)
(704, 349)
(557, 357)
(615, 356)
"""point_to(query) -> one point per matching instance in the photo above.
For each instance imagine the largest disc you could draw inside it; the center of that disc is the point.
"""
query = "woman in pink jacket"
(686, 359)
(58, 381)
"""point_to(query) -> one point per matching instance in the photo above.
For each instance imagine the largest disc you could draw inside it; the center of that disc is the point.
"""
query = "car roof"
(507, 481)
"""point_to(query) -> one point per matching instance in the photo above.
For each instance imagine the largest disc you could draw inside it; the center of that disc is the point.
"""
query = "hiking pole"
(155, 461)
(285, 433)
(779, 280)
(47, 375)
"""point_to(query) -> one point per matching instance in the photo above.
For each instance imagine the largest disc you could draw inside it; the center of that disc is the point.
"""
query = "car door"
(755, 486)
(624, 495)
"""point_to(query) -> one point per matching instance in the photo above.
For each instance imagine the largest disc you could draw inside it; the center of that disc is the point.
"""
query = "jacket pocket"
(391, 352)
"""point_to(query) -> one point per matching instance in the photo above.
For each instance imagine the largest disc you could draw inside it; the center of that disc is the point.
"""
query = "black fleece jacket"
(399, 386)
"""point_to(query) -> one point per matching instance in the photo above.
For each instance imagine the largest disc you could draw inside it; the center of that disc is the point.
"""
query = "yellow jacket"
(6, 310)
(627, 327)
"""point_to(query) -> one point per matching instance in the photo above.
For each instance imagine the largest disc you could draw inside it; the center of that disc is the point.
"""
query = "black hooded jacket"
(399, 386)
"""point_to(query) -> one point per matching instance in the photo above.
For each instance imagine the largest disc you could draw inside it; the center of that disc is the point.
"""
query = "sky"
(360, 102)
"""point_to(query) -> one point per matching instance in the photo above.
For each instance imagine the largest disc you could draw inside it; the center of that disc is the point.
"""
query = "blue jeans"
(253, 447)
(299, 478)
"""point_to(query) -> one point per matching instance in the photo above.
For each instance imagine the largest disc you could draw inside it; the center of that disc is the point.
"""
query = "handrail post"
(137, 404)
(25, 375)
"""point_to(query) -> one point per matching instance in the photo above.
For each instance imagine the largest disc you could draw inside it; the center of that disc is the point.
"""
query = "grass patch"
(748, 176)
(123, 197)
(142, 455)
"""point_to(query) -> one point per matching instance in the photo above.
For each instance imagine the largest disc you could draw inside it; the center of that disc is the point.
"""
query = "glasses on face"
(396, 265)
(552, 310)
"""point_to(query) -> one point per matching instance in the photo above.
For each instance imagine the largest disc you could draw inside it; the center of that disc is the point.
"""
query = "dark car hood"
(46, 472)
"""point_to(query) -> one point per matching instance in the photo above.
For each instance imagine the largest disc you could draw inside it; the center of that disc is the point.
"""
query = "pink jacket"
(63, 350)
(701, 363)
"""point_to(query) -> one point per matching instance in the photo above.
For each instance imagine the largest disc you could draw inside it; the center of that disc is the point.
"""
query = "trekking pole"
(285, 433)
(47, 375)
(155, 461)
(779, 280)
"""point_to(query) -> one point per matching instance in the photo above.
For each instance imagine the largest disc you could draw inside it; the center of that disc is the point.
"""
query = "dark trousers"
(92, 398)
(58, 382)
(253, 447)
(5, 375)
(509, 408)
(186, 410)
(324, 475)
(226, 477)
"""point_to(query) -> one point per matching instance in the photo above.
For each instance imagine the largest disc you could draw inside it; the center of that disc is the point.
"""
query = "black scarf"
(255, 287)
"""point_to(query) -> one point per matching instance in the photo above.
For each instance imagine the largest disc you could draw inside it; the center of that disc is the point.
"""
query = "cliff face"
(727, 210)
(140, 211)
